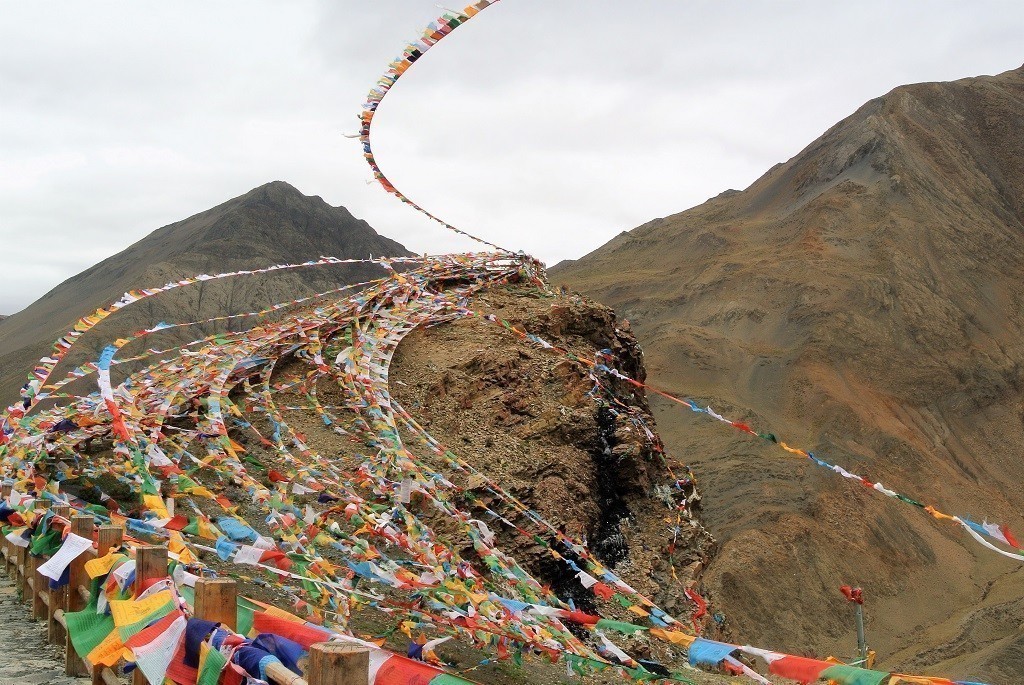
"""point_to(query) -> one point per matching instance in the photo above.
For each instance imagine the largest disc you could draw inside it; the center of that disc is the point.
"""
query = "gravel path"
(25, 656)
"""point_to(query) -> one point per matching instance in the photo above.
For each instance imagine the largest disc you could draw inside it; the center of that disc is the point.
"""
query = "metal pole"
(862, 646)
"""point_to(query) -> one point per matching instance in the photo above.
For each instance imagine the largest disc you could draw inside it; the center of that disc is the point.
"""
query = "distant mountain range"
(271, 224)
(864, 300)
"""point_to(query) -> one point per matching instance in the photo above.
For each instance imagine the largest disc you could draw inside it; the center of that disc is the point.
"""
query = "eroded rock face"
(527, 417)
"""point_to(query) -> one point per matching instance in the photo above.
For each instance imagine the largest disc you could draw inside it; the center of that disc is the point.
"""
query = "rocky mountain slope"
(862, 300)
(271, 224)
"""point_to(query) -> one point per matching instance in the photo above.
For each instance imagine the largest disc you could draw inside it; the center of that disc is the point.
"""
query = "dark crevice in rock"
(564, 583)
(609, 544)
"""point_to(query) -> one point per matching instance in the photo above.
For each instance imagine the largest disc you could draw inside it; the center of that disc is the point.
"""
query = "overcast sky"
(543, 125)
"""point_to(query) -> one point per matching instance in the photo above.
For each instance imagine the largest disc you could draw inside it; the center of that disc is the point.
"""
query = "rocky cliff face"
(272, 224)
(862, 300)
(530, 419)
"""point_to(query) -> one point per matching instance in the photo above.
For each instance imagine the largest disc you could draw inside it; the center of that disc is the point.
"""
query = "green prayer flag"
(210, 668)
(851, 675)
(448, 679)
(86, 628)
(46, 544)
(619, 626)
(244, 616)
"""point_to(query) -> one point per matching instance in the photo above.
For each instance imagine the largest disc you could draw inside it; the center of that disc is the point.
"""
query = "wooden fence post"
(337, 663)
(217, 600)
(82, 526)
(55, 632)
(33, 584)
(40, 586)
(21, 569)
(150, 564)
(108, 538)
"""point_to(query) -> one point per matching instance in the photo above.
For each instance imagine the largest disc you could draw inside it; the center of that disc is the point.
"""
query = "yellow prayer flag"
(207, 530)
(673, 636)
(108, 652)
(156, 505)
(128, 611)
(938, 514)
(102, 565)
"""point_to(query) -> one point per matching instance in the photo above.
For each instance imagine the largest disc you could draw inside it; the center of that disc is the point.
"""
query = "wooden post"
(40, 586)
(21, 569)
(83, 527)
(108, 538)
(8, 555)
(55, 632)
(30, 580)
(150, 564)
(217, 600)
(62, 510)
(337, 663)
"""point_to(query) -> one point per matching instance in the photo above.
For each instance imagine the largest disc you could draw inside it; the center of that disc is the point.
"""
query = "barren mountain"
(863, 301)
(272, 224)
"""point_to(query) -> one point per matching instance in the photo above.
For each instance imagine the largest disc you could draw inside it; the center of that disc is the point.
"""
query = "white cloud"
(546, 126)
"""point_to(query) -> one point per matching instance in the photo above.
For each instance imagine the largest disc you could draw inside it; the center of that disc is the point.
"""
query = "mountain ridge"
(271, 224)
(860, 300)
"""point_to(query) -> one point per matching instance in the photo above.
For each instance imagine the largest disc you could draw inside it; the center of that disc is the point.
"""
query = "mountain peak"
(279, 185)
(274, 223)
(277, 191)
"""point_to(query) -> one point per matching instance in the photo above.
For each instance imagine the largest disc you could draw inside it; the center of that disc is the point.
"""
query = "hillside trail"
(27, 658)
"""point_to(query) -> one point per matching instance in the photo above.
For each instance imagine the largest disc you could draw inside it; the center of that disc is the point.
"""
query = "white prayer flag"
(73, 547)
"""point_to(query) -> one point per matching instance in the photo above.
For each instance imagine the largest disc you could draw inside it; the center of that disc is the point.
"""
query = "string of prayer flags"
(413, 52)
